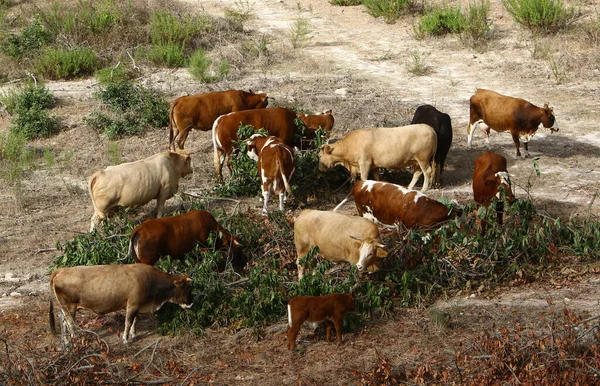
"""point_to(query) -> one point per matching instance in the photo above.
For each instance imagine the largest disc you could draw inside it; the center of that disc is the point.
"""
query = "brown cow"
(138, 288)
(137, 183)
(391, 204)
(327, 308)
(275, 166)
(339, 237)
(367, 150)
(177, 235)
(277, 121)
(199, 111)
(490, 110)
(490, 173)
(324, 121)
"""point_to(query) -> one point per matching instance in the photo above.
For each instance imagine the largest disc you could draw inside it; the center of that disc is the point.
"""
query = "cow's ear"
(327, 111)
(178, 283)
(356, 239)
(326, 148)
(381, 253)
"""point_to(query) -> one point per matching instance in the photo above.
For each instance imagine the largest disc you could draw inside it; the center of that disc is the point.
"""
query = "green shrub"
(441, 21)
(300, 32)
(33, 37)
(390, 10)
(477, 28)
(541, 15)
(29, 105)
(167, 54)
(117, 74)
(132, 110)
(63, 63)
(169, 29)
(200, 64)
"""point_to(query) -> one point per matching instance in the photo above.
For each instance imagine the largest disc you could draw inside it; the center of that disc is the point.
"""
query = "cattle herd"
(423, 145)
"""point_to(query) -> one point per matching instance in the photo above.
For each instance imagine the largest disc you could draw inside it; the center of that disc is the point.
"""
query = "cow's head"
(326, 159)
(183, 161)
(257, 101)
(503, 186)
(548, 121)
(183, 292)
(369, 250)
(252, 146)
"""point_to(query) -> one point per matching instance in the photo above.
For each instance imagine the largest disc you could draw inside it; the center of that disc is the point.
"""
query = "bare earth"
(357, 66)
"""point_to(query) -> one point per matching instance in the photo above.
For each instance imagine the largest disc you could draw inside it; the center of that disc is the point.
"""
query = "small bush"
(117, 74)
(477, 30)
(441, 21)
(300, 32)
(236, 18)
(167, 54)
(33, 37)
(84, 20)
(591, 30)
(29, 106)
(390, 10)
(541, 15)
(167, 29)
(63, 63)
(132, 109)
(418, 66)
(200, 64)
(344, 3)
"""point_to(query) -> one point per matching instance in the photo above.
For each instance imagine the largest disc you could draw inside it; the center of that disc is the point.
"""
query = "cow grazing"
(199, 111)
(490, 110)
(442, 125)
(137, 183)
(339, 237)
(490, 173)
(137, 288)
(389, 204)
(177, 235)
(275, 166)
(312, 123)
(327, 308)
(365, 150)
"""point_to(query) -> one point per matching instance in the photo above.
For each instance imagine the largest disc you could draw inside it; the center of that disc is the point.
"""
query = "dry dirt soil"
(359, 67)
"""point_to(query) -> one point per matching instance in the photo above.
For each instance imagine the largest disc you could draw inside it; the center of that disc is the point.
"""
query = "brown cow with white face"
(276, 166)
(325, 121)
(199, 111)
(490, 173)
(177, 235)
(137, 183)
(390, 204)
(339, 237)
(491, 110)
(367, 150)
(137, 288)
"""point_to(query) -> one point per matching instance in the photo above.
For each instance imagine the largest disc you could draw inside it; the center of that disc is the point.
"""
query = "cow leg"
(485, 129)
(266, 195)
(129, 322)
(526, 152)
(365, 168)
(292, 334)
(515, 137)
(470, 130)
(300, 266)
(328, 326)
(218, 161)
(338, 329)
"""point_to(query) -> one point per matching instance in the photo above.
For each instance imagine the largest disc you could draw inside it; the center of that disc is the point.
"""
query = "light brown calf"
(327, 308)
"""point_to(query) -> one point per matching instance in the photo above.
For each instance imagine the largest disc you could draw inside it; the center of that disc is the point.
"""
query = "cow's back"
(391, 147)
(486, 167)
(277, 121)
(496, 110)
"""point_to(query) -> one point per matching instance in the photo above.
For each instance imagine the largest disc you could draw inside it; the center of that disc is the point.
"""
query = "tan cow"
(366, 150)
(138, 288)
(199, 111)
(275, 166)
(339, 237)
(137, 183)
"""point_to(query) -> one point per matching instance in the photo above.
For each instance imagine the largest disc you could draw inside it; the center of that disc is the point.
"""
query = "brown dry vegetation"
(357, 66)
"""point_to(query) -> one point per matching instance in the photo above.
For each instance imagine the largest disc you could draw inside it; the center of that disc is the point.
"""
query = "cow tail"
(283, 177)
(51, 320)
(91, 182)
(216, 160)
(171, 122)
(131, 250)
(345, 200)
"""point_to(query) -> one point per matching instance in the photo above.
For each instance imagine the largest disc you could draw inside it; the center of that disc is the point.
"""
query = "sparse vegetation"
(300, 32)
(345, 3)
(390, 10)
(418, 66)
(63, 63)
(441, 21)
(541, 15)
(200, 64)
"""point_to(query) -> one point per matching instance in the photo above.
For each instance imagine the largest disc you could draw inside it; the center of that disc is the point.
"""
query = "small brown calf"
(327, 308)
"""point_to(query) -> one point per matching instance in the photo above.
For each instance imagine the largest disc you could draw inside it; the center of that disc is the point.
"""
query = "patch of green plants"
(345, 3)
(237, 17)
(64, 63)
(29, 107)
(547, 16)
(116, 74)
(167, 54)
(418, 66)
(85, 19)
(390, 10)
(29, 40)
(300, 32)
(132, 109)
(200, 64)
(167, 28)
(477, 30)
(442, 20)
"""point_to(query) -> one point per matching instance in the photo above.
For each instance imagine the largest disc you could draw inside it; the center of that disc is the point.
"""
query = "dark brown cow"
(490, 173)
(490, 110)
(138, 288)
(442, 125)
(275, 166)
(177, 235)
(199, 111)
(327, 308)
(390, 204)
